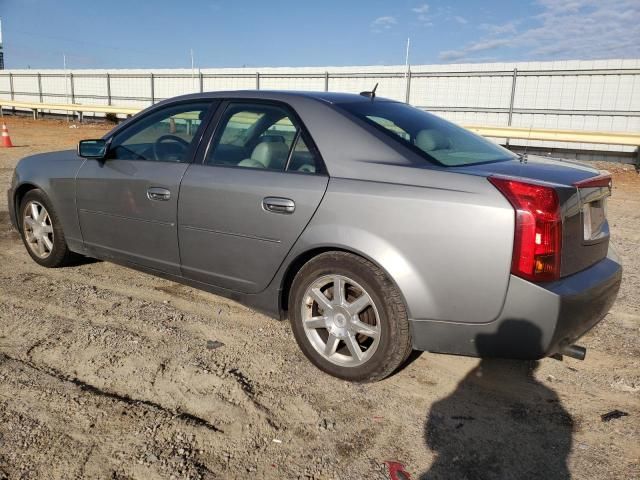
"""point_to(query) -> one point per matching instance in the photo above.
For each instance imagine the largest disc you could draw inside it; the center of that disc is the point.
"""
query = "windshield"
(432, 136)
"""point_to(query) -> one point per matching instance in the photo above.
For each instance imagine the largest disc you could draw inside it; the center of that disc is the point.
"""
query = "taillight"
(538, 232)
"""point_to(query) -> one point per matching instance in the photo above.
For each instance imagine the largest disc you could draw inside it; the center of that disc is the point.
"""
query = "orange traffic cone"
(6, 139)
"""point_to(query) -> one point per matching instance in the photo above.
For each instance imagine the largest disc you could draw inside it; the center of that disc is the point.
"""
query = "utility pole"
(193, 73)
(1, 50)
(66, 84)
(407, 73)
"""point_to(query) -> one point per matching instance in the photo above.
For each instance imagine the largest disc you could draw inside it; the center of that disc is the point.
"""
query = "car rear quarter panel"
(54, 173)
(445, 239)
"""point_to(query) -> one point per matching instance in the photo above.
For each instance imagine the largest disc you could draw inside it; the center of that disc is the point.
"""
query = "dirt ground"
(106, 372)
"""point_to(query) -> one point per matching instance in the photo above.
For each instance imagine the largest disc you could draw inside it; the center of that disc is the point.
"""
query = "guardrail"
(67, 107)
(554, 135)
(557, 135)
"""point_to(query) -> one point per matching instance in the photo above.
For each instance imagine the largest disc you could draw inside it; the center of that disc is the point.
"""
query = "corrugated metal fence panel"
(170, 86)
(26, 89)
(213, 83)
(275, 82)
(583, 95)
(51, 85)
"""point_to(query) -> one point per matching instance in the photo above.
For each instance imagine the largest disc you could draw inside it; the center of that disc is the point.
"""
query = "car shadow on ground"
(500, 422)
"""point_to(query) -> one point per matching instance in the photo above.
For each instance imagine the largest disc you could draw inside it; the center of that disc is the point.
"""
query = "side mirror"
(92, 149)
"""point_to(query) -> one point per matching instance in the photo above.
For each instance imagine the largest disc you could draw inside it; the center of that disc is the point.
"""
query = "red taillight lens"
(538, 234)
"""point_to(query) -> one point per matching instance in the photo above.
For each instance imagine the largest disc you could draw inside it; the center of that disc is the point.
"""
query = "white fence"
(600, 95)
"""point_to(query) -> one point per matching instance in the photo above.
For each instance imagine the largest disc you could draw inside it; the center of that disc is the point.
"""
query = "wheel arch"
(18, 195)
(304, 257)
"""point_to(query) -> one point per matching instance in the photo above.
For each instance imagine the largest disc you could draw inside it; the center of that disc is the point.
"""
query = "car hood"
(535, 167)
(40, 163)
(50, 156)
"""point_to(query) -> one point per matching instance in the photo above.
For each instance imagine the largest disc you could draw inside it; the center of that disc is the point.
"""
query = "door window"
(303, 159)
(163, 136)
(259, 136)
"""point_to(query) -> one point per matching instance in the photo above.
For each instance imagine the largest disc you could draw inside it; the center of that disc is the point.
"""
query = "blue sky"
(159, 33)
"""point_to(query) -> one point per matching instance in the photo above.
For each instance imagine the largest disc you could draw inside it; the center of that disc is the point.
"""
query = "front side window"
(163, 136)
(435, 138)
(260, 136)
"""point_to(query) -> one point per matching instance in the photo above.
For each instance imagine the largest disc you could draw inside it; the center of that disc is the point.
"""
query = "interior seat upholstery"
(271, 155)
(430, 140)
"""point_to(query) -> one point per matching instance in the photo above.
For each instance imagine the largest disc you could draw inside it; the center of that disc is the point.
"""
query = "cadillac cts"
(377, 228)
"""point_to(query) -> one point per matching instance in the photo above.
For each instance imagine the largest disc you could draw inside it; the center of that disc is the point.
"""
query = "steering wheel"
(181, 143)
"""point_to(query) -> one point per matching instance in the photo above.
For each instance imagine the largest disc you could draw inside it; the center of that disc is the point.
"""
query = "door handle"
(279, 205)
(157, 193)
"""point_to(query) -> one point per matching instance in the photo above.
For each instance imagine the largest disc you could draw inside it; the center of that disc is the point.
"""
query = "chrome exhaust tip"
(574, 351)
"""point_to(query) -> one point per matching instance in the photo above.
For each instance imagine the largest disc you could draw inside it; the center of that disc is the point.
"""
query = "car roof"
(284, 95)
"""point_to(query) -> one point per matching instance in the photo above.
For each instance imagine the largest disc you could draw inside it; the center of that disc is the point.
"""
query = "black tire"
(59, 255)
(395, 339)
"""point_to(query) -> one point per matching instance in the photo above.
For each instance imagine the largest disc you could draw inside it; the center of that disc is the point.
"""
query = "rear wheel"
(41, 231)
(349, 318)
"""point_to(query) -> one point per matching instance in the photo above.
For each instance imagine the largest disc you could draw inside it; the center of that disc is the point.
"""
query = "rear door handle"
(157, 193)
(279, 205)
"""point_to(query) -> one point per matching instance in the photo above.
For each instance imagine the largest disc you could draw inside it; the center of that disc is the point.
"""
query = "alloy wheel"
(38, 229)
(340, 320)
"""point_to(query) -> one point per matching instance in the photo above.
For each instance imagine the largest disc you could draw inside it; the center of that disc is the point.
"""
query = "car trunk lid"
(582, 193)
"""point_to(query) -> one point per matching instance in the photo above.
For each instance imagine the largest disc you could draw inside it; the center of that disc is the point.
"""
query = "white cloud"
(422, 15)
(577, 29)
(383, 23)
(484, 45)
(461, 20)
(421, 10)
(508, 27)
(474, 47)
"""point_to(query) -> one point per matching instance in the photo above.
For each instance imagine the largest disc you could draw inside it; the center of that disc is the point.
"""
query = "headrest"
(271, 154)
(430, 139)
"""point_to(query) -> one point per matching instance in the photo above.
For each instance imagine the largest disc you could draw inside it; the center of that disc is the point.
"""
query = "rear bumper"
(536, 320)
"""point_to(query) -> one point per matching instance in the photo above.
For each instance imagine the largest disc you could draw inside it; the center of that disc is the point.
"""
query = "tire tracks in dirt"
(187, 417)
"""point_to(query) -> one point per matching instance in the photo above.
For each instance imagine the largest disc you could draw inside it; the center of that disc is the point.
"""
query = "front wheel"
(41, 231)
(348, 318)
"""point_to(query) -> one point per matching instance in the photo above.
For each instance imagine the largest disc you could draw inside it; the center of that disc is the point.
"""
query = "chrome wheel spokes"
(340, 320)
(38, 229)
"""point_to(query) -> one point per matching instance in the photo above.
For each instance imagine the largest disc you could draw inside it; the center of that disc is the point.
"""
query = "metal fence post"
(11, 85)
(408, 92)
(40, 87)
(257, 80)
(153, 93)
(326, 81)
(73, 93)
(513, 96)
(201, 82)
(108, 78)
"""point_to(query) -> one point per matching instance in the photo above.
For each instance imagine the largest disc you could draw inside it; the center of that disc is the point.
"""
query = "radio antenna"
(371, 94)
(524, 157)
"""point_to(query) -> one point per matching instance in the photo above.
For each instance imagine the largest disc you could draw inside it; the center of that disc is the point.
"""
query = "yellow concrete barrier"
(521, 133)
(557, 135)
(70, 107)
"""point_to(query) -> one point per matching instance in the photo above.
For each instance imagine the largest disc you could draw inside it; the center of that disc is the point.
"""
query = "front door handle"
(157, 193)
(279, 205)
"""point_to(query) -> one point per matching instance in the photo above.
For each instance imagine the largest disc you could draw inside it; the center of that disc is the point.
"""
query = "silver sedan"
(375, 227)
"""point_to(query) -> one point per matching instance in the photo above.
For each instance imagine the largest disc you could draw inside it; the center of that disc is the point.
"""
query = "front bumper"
(536, 320)
(12, 208)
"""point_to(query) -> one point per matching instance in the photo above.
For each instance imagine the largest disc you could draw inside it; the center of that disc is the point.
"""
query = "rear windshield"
(435, 138)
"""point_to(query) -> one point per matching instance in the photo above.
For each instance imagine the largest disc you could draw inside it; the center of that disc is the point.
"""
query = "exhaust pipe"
(574, 351)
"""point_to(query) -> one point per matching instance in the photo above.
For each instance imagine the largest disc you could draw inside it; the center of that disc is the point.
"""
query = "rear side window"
(434, 138)
(261, 136)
